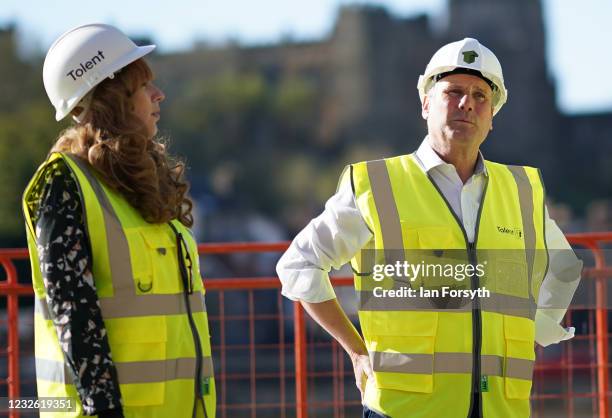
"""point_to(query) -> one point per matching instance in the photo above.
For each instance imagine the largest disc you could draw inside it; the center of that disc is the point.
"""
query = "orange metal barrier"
(306, 374)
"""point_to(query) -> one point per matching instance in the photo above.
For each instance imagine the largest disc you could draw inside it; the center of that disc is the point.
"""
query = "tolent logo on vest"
(511, 231)
(87, 65)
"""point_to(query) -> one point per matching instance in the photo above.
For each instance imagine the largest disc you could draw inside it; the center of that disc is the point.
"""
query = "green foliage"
(239, 120)
(26, 135)
(263, 131)
(213, 118)
(294, 104)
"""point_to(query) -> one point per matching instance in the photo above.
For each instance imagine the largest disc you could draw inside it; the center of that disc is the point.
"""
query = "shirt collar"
(430, 159)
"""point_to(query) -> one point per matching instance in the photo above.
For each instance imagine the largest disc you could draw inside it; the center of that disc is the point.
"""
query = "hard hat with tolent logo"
(81, 58)
(470, 55)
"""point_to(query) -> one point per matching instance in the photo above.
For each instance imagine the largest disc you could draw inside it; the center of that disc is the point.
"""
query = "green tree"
(26, 135)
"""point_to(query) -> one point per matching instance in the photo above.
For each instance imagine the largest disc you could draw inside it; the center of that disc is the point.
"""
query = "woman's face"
(146, 101)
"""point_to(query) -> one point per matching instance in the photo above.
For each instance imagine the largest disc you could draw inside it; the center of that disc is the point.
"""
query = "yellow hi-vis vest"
(431, 360)
(157, 330)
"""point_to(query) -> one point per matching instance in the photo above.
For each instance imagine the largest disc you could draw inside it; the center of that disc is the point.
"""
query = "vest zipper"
(476, 312)
(187, 290)
(476, 395)
(476, 337)
(199, 392)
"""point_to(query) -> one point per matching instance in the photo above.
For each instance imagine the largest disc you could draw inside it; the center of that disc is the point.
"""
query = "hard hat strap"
(84, 104)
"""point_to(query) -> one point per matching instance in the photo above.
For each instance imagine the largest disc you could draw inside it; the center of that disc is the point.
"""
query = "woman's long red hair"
(115, 143)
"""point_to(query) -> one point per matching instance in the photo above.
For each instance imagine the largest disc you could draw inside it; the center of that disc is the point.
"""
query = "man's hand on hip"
(329, 315)
(363, 371)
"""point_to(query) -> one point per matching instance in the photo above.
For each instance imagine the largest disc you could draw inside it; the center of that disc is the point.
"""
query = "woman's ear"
(77, 111)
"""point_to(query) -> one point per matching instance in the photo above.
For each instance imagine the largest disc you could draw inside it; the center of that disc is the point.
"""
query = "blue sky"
(578, 33)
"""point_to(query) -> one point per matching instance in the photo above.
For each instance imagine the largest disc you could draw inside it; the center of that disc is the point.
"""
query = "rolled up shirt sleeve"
(558, 286)
(329, 241)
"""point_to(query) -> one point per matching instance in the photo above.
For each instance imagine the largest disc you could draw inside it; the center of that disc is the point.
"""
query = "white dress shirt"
(331, 239)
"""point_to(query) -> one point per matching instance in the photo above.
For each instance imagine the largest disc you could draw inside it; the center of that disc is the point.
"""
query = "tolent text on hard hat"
(87, 65)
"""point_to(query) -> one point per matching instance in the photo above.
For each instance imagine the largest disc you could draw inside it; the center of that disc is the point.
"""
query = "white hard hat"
(81, 58)
(471, 55)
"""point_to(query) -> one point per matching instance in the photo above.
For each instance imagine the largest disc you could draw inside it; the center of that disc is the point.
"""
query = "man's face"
(459, 108)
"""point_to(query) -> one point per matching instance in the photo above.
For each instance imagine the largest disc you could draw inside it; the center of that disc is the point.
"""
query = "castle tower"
(376, 59)
(514, 31)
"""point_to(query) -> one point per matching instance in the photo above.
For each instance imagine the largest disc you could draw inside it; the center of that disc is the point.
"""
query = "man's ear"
(425, 107)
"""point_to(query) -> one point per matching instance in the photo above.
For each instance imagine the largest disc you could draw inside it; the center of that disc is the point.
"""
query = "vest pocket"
(138, 346)
(143, 394)
(164, 262)
(519, 359)
(401, 350)
(435, 238)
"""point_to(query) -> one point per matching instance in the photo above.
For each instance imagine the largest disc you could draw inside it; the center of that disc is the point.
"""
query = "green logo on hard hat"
(469, 56)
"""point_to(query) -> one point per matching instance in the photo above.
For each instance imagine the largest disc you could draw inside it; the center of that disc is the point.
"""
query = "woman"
(120, 322)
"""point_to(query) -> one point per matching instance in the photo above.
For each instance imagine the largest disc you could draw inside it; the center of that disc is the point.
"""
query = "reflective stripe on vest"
(497, 302)
(154, 304)
(132, 372)
(450, 363)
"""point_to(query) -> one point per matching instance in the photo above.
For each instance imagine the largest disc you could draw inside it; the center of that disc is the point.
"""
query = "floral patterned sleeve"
(65, 259)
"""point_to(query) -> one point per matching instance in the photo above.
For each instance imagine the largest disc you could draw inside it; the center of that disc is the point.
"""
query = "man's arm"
(330, 240)
(331, 317)
(558, 287)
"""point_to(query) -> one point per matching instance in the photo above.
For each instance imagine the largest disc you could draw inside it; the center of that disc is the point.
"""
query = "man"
(422, 354)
